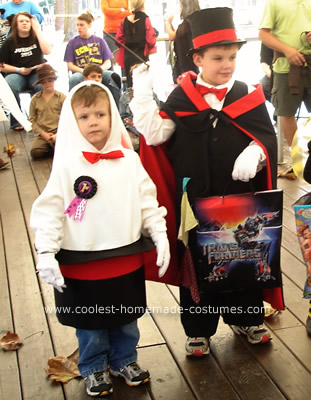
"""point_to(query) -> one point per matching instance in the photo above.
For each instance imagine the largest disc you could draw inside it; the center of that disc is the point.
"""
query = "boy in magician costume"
(93, 223)
(211, 137)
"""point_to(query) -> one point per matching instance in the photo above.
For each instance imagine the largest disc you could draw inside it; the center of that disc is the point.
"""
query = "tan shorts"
(287, 104)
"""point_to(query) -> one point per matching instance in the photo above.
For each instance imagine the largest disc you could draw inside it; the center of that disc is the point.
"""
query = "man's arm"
(293, 55)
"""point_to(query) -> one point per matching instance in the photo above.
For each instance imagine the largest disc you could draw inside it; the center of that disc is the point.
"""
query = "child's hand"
(163, 251)
(142, 81)
(246, 164)
(49, 271)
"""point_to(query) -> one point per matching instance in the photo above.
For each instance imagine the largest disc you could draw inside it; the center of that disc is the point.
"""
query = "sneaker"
(133, 374)
(98, 384)
(197, 346)
(309, 325)
(255, 334)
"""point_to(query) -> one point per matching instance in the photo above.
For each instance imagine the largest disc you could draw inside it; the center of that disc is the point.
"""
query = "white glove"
(163, 251)
(142, 82)
(49, 271)
(246, 164)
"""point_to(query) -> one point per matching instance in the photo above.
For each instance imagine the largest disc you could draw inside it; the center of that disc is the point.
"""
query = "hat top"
(45, 71)
(212, 27)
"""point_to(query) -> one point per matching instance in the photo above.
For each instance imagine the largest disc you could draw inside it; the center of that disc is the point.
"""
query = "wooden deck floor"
(234, 369)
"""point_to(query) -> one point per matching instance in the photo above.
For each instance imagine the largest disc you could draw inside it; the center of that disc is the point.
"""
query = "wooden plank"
(293, 268)
(9, 375)
(29, 317)
(204, 376)
(291, 244)
(294, 300)
(283, 367)
(245, 374)
(167, 381)
(248, 377)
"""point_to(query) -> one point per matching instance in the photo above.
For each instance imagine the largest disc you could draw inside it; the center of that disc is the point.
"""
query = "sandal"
(18, 128)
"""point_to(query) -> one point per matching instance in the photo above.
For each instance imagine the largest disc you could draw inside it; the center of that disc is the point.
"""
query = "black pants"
(244, 308)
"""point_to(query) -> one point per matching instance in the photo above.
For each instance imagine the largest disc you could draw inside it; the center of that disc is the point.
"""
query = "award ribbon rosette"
(239, 240)
(85, 188)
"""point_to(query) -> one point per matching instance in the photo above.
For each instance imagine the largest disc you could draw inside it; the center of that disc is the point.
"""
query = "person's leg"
(93, 361)
(113, 82)
(286, 106)
(111, 43)
(123, 341)
(93, 350)
(18, 84)
(244, 311)
(289, 127)
(123, 354)
(40, 148)
(75, 79)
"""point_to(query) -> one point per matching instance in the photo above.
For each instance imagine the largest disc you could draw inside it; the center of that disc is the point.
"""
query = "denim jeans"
(110, 79)
(18, 84)
(115, 347)
(111, 43)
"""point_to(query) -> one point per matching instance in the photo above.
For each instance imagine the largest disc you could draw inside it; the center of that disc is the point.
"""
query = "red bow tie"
(94, 157)
(220, 93)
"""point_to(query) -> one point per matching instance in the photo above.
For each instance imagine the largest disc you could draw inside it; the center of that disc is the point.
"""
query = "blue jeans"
(111, 43)
(110, 79)
(115, 347)
(18, 84)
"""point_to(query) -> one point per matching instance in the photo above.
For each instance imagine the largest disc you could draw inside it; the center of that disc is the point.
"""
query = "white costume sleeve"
(146, 117)
(47, 217)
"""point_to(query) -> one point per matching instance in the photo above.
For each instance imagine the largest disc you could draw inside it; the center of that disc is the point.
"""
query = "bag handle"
(229, 183)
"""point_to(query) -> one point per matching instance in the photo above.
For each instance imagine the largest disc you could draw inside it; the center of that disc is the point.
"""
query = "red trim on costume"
(269, 176)
(193, 94)
(103, 269)
(178, 114)
(214, 37)
(246, 103)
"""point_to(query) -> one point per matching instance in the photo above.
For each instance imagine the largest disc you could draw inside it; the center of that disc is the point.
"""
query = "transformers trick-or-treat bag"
(302, 208)
(239, 239)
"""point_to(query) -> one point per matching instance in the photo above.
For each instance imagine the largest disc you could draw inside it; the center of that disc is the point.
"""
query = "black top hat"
(45, 72)
(212, 27)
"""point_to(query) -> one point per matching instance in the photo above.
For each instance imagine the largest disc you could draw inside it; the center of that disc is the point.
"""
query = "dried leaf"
(269, 310)
(11, 341)
(62, 369)
(10, 150)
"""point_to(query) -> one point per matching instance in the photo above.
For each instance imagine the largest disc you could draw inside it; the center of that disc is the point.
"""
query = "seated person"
(92, 72)
(85, 49)
(21, 54)
(45, 108)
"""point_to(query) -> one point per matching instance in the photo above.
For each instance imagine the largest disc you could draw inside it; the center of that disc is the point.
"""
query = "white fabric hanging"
(10, 102)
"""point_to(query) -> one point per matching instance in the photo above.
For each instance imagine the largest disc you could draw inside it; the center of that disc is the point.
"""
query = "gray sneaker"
(197, 346)
(98, 384)
(133, 374)
(255, 334)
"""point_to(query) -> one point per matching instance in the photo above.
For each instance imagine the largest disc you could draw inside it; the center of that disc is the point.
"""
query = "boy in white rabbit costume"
(89, 223)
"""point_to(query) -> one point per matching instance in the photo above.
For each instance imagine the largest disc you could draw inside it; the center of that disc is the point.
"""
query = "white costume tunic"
(123, 208)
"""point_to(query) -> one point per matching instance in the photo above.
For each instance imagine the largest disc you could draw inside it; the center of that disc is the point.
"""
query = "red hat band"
(214, 37)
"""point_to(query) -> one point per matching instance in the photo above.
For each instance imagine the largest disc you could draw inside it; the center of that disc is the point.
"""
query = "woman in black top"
(22, 52)
(137, 33)
(182, 39)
